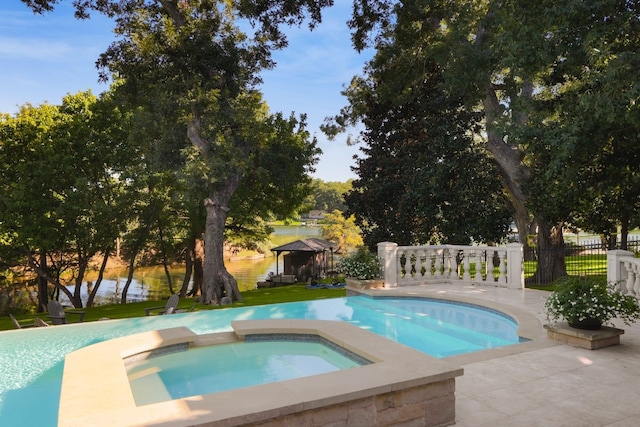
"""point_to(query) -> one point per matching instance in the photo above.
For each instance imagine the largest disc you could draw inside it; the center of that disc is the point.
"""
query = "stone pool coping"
(96, 392)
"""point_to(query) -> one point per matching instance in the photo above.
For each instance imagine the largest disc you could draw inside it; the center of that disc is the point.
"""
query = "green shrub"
(361, 264)
(578, 298)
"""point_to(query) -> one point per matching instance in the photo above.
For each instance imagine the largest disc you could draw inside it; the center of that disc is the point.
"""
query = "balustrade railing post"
(616, 272)
(387, 252)
(515, 266)
(478, 258)
(447, 263)
(502, 267)
(489, 276)
(466, 276)
(420, 255)
(438, 263)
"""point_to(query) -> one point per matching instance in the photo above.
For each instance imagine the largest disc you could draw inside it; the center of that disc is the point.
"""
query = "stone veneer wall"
(431, 405)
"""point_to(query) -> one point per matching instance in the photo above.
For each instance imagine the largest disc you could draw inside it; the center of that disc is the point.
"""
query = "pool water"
(32, 360)
(217, 368)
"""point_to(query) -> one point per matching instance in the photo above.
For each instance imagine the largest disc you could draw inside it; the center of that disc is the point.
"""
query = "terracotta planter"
(364, 284)
(589, 324)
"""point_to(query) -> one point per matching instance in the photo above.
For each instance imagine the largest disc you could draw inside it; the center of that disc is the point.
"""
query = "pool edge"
(424, 384)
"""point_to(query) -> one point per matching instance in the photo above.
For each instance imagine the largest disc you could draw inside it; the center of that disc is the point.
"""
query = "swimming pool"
(32, 360)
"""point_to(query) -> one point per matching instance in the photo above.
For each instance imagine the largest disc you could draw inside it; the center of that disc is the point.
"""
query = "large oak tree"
(191, 58)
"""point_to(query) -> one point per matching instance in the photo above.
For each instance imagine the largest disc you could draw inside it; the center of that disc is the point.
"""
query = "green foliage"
(190, 71)
(188, 74)
(556, 85)
(361, 264)
(335, 227)
(578, 298)
(277, 181)
(422, 177)
(61, 192)
(329, 196)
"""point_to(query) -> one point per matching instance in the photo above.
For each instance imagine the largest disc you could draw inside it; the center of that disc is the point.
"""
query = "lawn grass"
(136, 309)
(576, 265)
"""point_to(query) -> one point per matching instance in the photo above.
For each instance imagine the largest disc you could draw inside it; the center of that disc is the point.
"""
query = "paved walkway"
(548, 384)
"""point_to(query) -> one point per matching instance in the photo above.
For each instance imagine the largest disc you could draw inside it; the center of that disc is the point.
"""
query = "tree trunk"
(550, 249)
(526, 227)
(132, 262)
(624, 231)
(188, 268)
(103, 266)
(42, 273)
(43, 295)
(515, 174)
(165, 262)
(216, 277)
(83, 263)
(609, 240)
(218, 282)
(198, 272)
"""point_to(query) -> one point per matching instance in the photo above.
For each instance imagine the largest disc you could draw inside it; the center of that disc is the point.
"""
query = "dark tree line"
(554, 83)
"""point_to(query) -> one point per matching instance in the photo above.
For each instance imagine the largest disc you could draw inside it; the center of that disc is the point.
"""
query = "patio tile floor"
(551, 384)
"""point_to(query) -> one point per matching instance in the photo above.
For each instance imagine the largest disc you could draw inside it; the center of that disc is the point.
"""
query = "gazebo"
(306, 258)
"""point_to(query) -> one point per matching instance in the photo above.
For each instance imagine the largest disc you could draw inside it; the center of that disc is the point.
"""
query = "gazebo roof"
(306, 245)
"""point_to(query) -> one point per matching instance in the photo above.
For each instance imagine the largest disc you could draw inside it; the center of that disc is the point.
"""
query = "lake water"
(150, 283)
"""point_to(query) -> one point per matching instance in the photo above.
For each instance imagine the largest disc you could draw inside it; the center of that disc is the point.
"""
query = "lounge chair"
(58, 316)
(20, 325)
(169, 308)
(37, 322)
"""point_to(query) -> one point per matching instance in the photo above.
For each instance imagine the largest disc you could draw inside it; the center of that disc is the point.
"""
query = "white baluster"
(415, 256)
(631, 278)
(503, 267)
(447, 263)
(401, 276)
(412, 259)
(412, 264)
(420, 264)
(478, 256)
(438, 263)
(466, 276)
(428, 264)
(488, 267)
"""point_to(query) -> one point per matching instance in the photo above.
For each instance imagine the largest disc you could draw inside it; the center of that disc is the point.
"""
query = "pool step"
(148, 387)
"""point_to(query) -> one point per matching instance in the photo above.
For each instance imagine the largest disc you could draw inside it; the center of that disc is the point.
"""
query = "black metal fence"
(580, 259)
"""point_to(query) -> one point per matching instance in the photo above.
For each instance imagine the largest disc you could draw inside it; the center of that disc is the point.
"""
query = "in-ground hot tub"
(400, 384)
(182, 371)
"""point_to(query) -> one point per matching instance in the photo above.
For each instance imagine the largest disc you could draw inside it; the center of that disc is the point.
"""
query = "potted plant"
(588, 302)
(361, 269)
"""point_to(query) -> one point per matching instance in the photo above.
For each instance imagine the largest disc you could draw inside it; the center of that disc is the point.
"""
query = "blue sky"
(42, 58)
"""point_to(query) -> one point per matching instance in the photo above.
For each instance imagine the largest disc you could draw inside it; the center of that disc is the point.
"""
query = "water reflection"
(151, 282)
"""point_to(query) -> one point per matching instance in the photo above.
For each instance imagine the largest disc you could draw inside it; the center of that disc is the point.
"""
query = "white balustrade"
(623, 269)
(494, 265)
(411, 265)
